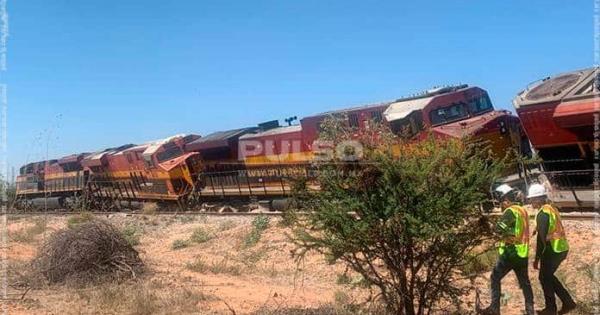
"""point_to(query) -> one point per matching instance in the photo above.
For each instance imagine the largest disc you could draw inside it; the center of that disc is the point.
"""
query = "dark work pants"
(502, 268)
(550, 284)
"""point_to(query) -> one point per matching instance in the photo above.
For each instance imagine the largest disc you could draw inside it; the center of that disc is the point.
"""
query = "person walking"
(513, 249)
(552, 249)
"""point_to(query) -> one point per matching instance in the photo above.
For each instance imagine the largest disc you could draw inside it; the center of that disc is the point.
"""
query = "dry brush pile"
(90, 251)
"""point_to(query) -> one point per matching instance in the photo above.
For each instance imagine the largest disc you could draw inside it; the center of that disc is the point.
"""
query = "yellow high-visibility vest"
(520, 238)
(556, 233)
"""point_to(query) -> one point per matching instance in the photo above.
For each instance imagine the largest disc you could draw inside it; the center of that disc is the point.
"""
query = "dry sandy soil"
(223, 275)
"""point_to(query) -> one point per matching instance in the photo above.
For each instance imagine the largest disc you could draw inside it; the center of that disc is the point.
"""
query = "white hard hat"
(536, 190)
(503, 189)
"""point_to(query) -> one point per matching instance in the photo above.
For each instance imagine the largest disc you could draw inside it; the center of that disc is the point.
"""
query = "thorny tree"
(406, 216)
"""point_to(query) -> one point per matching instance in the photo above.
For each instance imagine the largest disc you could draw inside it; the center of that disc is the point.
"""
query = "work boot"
(489, 311)
(567, 308)
(547, 311)
(529, 311)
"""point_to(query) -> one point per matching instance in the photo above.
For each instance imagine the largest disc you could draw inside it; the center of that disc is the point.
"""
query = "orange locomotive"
(254, 163)
(157, 171)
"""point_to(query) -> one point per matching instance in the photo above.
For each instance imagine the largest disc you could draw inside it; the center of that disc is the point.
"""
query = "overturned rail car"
(558, 114)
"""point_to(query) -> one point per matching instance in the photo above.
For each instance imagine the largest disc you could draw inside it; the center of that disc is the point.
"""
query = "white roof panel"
(400, 110)
(274, 131)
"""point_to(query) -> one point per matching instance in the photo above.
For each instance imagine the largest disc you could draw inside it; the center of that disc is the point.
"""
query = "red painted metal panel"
(576, 114)
(541, 128)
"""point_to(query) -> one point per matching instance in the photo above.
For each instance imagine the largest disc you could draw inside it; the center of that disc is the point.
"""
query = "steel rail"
(565, 216)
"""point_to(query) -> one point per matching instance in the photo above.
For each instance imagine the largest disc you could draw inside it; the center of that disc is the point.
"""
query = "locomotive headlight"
(502, 125)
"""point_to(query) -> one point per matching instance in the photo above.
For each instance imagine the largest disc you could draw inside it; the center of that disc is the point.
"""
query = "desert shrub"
(289, 216)
(477, 263)
(200, 235)
(251, 257)
(132, 234)
(341, 298)
(227, 225)
(360, 282)
(197, 265)
(343, 278)
(89, 251)
(404, 219)
(259, 225)
(187, 219)
(225, 267)
(28, 234)
(82, 217)
(149, 208)
(179, 244)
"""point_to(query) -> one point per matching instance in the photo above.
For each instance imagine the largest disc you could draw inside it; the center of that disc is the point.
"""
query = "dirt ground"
(210, 265)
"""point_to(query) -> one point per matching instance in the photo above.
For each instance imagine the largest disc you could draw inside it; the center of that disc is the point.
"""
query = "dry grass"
(251, 258)
(141, 298)
(343, 304)
(261, 279)
(224, 266)
(28, 234)
(479, 263)
(179, 244)
(149, 208)
(227, 225)
(82, 217)
(200, 235)
(132, 234)
(198, 265)
(259, 225)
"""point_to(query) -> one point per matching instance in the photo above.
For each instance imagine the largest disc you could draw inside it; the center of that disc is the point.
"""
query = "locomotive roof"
(218, 139)
(566, 86)
(223, 135)
(404, 101)
(353, 109)
(154, 145)
(400, 110)
(274, 131)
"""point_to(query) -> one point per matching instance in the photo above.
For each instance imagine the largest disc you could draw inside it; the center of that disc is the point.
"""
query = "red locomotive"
(254, 162)
(558, 114)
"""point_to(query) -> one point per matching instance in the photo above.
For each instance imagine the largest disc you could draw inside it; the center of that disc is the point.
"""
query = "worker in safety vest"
(552, 249)
(513, 249)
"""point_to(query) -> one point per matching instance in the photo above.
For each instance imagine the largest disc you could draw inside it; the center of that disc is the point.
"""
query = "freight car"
(558, 114)
(252, 163)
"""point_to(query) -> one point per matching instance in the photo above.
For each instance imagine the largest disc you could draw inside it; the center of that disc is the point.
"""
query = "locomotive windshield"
(170, 152)
(480, 105)
(448, 114)
(461, 110)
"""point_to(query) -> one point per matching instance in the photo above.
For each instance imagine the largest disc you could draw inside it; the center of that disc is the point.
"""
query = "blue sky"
(85, 75)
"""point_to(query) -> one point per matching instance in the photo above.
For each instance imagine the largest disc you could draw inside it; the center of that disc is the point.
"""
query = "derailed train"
(561, 116)
(253, 163)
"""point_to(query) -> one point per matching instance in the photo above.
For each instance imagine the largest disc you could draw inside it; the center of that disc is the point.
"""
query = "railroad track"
(565, 216)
